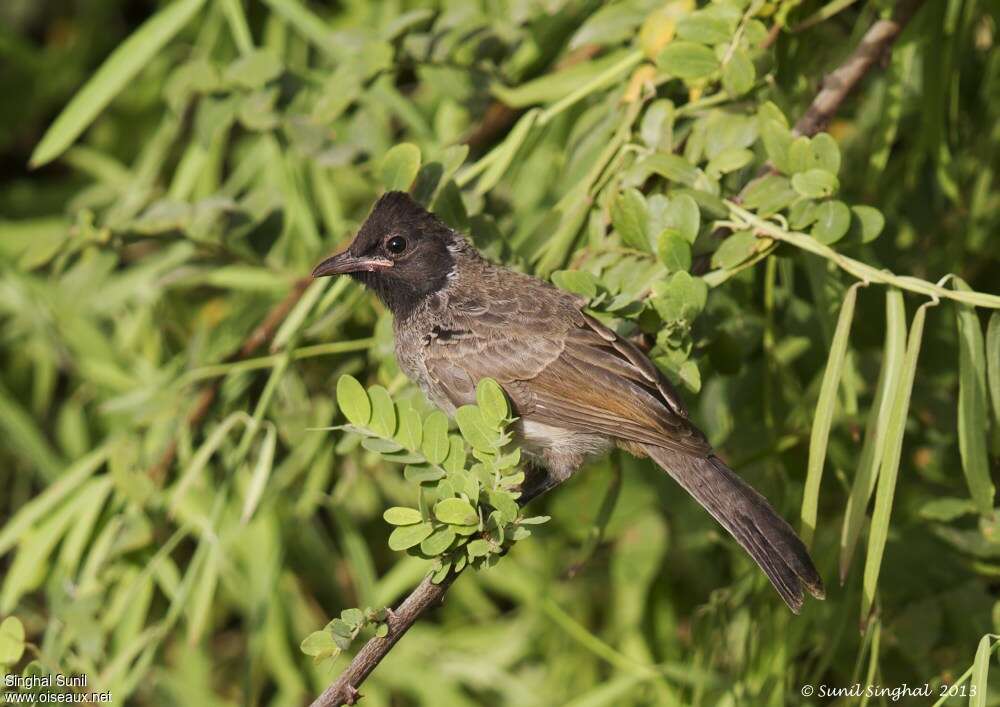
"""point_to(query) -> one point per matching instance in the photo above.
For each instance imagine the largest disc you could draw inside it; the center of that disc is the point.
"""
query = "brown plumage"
(576, 386)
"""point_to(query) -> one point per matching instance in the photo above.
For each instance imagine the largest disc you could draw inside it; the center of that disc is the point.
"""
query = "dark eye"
(396, 244)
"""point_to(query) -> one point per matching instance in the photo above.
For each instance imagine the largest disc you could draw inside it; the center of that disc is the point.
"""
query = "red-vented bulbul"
(576, 387)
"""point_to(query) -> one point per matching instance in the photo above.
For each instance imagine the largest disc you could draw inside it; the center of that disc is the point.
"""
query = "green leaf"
(800, 155)
(474, 427)
(435, 442)
(680, 298)
(609, 25)
(399, 167)
(406, 536)
(455, 511)
(826, 152)
(728, 161)
(833, 218)
(439, 541)
(945, 510)
(410, 429)
(876, 425)
(383, 420)
(505, 503)
(553, 86)
(353, 617)
(255, 69)
(439, 574)
(972, 411)
(704, 28)
(769, 195)
(492, 402)
(319, 645)
(478, 548)
(777, 139)
(579, 282)
(115, 74)
(422, 473)
(339, 627)
(261, 473)
(505, 153)
(400, 515)
(673, 250)
(690, 375)
(815, 183)
(802, 214)
(738, 74)
(978, 683)
(683, 216)
(737, 248)
(687, 60)
(381, 446)
(893, 450)
(11, 640)
(353, 401)
(628, 216)
(823, 417)
(993, 363)
(450, 208)
(657, 125)
(870, 220)
(671, 167)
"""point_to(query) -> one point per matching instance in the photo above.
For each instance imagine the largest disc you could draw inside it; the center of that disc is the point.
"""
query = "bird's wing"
(560, 367)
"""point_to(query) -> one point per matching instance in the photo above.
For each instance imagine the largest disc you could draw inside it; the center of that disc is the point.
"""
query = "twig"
(860, 270)
(257, 338)
(836, 86)
(877, 40)
(426, 595)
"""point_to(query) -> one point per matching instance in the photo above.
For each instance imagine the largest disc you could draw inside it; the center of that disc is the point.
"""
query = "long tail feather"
(749, 518)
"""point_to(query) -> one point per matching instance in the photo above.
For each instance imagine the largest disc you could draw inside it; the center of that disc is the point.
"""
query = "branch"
(862, 271)
(835, 89)
(262, 334)
(427, 595)
(837, 85)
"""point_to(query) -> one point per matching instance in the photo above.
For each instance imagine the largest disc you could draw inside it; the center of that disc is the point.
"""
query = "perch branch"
(426, 595)
(344, 691)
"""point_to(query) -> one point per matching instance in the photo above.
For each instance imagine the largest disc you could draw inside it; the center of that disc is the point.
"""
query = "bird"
(576, 387)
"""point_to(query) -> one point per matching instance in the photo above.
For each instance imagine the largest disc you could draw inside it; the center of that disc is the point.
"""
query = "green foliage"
(178, 514)
(467, 488)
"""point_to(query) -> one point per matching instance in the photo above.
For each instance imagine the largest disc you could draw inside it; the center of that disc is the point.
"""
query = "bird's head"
(402, 252)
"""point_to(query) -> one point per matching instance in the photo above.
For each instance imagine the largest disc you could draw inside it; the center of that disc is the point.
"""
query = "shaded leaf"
(407, 536)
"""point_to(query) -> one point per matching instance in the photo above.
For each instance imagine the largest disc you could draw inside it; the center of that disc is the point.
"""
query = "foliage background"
(230, 145)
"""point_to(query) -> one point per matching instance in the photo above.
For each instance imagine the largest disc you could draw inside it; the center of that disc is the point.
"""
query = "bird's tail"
(749, 518)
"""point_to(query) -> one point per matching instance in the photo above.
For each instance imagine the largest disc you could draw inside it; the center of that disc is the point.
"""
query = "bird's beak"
(343, 263)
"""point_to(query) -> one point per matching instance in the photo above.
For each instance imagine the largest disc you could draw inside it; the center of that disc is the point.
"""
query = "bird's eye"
(396, 244)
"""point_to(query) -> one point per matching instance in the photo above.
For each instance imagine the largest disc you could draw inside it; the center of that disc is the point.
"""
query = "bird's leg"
(553, 467)
(537, 480)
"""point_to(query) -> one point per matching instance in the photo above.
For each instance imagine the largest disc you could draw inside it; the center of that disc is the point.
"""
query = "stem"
(856, 268)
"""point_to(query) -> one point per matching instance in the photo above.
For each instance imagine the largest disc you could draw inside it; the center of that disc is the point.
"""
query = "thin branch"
(837, 85)
(426, 596)
(835, 89)
(858, 269)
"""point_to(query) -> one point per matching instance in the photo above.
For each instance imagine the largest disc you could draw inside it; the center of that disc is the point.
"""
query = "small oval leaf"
(353, 401)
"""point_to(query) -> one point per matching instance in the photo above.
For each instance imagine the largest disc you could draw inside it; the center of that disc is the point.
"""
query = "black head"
(402, 252)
